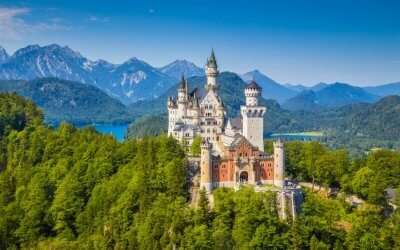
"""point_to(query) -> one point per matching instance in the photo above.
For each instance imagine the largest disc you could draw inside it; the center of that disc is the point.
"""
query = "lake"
(116, 130)
(302, 136)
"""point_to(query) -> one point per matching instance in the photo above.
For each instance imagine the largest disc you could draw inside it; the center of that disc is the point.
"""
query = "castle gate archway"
(244, 177)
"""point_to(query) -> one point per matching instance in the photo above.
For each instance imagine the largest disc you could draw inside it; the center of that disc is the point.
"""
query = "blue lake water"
(116, 130)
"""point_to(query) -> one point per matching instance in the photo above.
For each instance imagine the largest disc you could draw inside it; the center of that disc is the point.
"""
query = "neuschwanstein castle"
(232, 150)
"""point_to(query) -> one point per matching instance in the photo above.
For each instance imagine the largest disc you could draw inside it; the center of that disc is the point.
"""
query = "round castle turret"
(206, 166)
(279, 164)
(211, 71)
(252, 92)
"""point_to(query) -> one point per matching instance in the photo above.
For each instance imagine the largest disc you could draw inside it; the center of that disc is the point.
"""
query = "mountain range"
(320, 96)
(329, 96)
(130, 81)
(136, 80)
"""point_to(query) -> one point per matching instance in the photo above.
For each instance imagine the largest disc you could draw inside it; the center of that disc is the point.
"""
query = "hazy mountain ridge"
(385, 89)
(182, 67)
(271, 89)
(295, 87)
(329, 96)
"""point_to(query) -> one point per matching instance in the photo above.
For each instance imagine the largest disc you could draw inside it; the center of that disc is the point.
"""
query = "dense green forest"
(69, 188)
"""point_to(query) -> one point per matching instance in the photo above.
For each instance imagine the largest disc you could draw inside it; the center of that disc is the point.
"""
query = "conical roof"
(182, 84)
(212, 61)
(229, 129)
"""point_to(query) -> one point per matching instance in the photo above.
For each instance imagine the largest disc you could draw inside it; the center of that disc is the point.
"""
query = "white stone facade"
(204, 116)
(191, 115)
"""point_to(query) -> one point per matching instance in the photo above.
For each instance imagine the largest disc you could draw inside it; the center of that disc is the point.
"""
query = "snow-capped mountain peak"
(130, 81)
(26, 50)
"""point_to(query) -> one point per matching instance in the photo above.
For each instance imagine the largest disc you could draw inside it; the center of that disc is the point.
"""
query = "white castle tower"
(253, 116)
(211, 106)
(206, 166)
(182, 98)
(211, 71)
(279, 164)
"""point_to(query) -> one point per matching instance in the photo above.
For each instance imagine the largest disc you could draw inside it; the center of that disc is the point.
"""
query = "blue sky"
(291, 41)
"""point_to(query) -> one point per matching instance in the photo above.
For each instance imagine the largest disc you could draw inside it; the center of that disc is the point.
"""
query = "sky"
(291, 41)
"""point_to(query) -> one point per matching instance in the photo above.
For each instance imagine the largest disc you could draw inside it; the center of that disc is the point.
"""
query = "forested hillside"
(69, 188)
(69, 101)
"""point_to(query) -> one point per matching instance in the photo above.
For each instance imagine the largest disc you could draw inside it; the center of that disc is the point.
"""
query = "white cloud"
(14, 27)
(98, 19)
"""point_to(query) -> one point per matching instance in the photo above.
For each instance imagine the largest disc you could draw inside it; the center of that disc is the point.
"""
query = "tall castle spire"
(212, 62)
(182, 90)
(211, 71)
